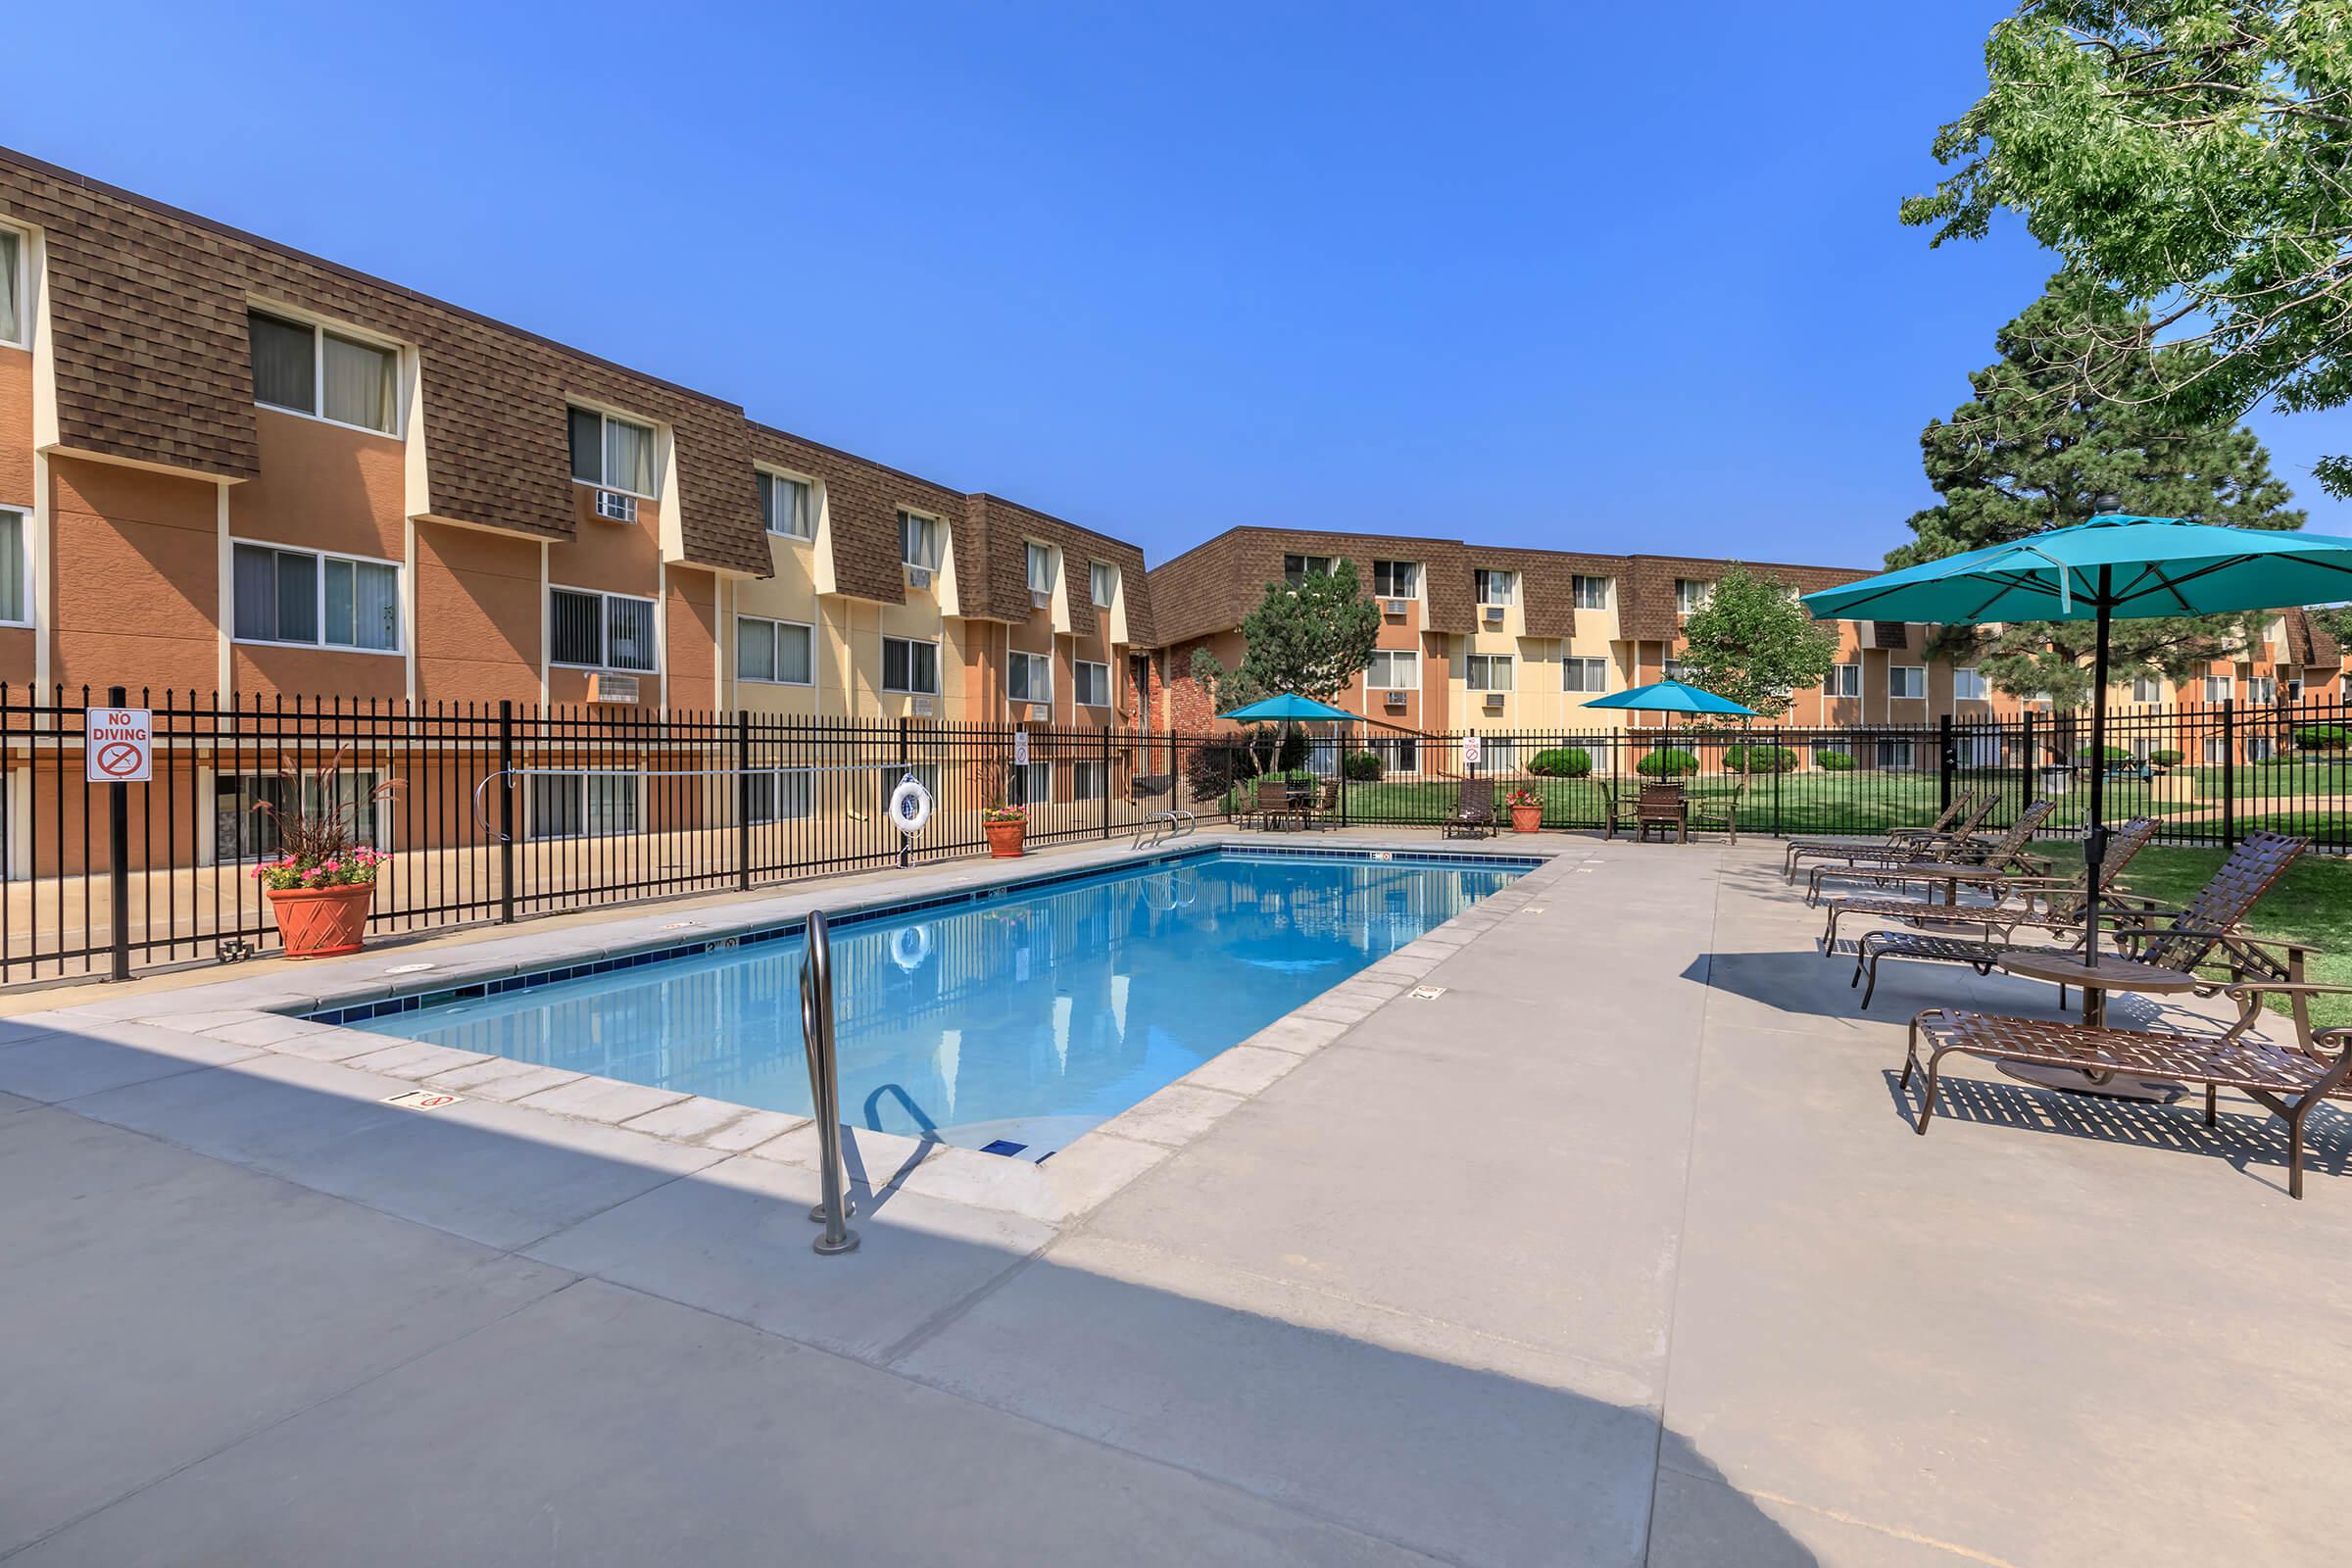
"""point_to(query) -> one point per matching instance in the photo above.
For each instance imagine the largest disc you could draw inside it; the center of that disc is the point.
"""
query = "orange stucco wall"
(136, 576)
(689, 627)
(17, 460)
(477, 616)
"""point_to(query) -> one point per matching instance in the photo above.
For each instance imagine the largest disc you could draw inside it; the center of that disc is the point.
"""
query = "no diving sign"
(117, 745)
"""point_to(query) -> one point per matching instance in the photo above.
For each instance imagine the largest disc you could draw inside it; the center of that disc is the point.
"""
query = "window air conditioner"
(920, 708)
(606, 687)
(1395, 700)
(1039, 598)
(1493, 699)
(1493, 615)
(1395, 607)
(613, 507)
(919, 576)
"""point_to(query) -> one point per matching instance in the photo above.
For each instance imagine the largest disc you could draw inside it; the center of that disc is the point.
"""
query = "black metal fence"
(497, 811)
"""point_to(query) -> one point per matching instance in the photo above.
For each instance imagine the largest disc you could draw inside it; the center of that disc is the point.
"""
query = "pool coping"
(266, 1014)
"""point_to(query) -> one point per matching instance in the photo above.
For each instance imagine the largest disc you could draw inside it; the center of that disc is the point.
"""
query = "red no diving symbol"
(119, 758)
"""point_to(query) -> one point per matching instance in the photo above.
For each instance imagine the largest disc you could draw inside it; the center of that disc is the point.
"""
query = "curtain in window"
(297, 597)
(11, 291)
(554, 802)
(755, 650)
(784, 508)
(628, 457)
(362, 605)
(629, 634)
(360, 383)
(575, 629)
(284, 372)
(12, 566)
(1041, 570)
(793, 654)
(255, 593)
(894, 664)
(587, 447)
(919, 540)
(612, 804)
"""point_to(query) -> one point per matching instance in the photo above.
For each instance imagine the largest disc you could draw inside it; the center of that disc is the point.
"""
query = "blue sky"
(1534, 275)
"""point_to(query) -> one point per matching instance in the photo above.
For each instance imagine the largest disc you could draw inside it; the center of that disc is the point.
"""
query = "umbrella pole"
(2094, 844)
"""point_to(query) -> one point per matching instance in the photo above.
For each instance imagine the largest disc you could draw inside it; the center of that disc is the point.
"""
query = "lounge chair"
(1472, 810)
(2289, 1080)
(1720, 811)
(1959, 820)
(2050, 903)
(1950, 865)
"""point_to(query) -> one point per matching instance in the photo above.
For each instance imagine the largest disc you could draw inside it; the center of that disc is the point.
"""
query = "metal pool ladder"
(833, 1209)
(1161, 826)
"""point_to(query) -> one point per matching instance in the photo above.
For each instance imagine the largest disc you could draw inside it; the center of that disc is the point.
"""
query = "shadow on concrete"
(271, 1331)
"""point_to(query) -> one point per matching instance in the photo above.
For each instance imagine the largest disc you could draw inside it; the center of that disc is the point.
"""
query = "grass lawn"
(2312, 904)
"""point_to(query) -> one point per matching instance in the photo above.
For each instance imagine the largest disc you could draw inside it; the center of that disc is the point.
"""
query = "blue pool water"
(1016, 1020)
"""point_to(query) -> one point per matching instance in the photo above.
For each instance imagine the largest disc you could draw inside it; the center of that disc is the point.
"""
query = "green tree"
(2190, 155)
(2036, 448)
(1311, 639)
(1752, 642)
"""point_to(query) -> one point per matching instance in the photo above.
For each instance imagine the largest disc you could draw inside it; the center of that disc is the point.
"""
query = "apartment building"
(1506, 639)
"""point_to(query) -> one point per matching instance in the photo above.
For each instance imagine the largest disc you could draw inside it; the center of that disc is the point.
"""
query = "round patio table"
(2112, 972)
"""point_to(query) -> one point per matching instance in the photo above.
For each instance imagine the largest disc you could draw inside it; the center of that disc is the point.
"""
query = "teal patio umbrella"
(1671, 697)
(2113, 566)
(1286, 709)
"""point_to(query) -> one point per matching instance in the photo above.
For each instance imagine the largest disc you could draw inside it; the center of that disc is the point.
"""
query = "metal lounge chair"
(1950, 865)
(1958, 820)
(2290, 1081)
(2050, 902)
(1472, 810)
(1719, 811)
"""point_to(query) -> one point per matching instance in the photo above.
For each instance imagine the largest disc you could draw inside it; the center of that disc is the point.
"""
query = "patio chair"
(1662, 807)
(1720, 811)
(2051, 903)
(1953, 863)
(1960, 820)
(2288, 1080)
(1472, 810)
(1273, 803)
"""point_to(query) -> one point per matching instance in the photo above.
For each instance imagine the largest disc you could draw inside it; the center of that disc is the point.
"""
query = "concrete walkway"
(1618, 1252)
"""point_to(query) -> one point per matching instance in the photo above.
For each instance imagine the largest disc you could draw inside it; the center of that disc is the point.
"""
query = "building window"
(1489, 673)
(1968, 685)
(1041, 569)
(1691, 595)
(309, 370)
(1102, 583)
(919, 541)
(1581, 674)
(1906, 680)
(2147, 689)
(243, 833)
(1845, 680)
(2217, 688)
(613, 454)
(1028, 677)
(783, 795)
(15, 605)
(2262, 689)
(1396, 579)
(1397, 753)
(780, 653)
(1094, 685)
(1591, 593)
(2217, 750)
(12, 287)
(589, 630)
(1894, 753)
(1033, 783)
(1393, 670)
(787, 506)
(909, 666)
(316, 601)
(1494, 587)
(582, 806)
(1496, 756)
(1088, 780)
(1295, 569)
(2261, 748)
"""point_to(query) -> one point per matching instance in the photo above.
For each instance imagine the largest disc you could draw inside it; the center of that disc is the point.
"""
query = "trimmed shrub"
(2320, 738)
(1759, 759)
(1363, 767)
(1670, 763)
(1570, 762)
(2115, 755)
(2165, 758)
(1832, 761)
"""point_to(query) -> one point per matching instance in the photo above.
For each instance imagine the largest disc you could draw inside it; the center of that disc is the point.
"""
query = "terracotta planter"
(321, 922)
(1004, 839)
(1526, 818)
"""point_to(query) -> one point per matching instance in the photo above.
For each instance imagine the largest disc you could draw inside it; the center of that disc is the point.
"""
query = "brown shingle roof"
(1211, 586)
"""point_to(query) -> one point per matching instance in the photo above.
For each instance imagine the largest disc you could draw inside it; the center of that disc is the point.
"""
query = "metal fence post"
(906, 842)
(2032, 767)
(1947, 758)
(2229, 773)
(505, 810)
(1104, 732)
(118, 855)
(1779, 766)
(743, 799)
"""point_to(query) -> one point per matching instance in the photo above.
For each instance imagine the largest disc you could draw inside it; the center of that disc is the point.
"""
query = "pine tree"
(2034, 449)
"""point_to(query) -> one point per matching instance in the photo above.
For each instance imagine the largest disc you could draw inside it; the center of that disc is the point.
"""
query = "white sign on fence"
(1469, 751)
(1020, 747)
(117, 745)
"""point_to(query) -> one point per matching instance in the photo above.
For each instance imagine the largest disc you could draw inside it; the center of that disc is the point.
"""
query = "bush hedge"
(1672, 760)
(1363, 767)
(2320, 738)
(1571, 762)
(1759, 759)
(2115, 755)
(2165, 758)
(1832, 761)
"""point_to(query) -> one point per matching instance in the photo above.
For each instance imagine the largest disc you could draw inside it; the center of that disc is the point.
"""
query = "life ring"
(910, 956)
(910, 806)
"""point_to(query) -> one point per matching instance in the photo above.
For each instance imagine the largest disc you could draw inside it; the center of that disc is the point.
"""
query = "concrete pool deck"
(1618, 1252)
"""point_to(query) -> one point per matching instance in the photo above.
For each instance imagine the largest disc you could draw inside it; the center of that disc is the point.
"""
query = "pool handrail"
(1161, 826)
(833, 1208)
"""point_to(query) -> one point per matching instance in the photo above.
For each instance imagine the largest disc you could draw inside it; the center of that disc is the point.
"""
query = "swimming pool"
(1009, 1019)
